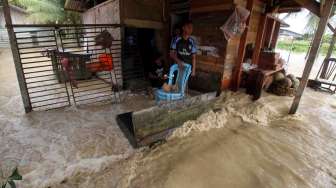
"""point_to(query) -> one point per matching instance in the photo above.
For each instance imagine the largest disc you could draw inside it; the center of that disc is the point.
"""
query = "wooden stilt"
(16, 57)
(325, 15)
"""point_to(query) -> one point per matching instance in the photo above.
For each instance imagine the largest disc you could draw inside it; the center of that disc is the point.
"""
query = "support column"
(241, 51)
(260, 38)
(16, 57)
(325, 14)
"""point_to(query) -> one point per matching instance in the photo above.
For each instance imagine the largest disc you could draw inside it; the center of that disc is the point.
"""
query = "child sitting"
(157, 75)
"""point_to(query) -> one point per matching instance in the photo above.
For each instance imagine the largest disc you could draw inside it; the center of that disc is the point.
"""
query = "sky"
(297, 22)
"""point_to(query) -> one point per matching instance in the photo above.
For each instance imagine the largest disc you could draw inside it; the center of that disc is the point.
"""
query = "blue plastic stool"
(161, 95)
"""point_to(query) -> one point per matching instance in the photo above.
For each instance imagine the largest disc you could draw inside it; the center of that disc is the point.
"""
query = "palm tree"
(47, 11)
(313, 20)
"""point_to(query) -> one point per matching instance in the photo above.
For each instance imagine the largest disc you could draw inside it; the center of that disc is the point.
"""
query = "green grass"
(301, 46)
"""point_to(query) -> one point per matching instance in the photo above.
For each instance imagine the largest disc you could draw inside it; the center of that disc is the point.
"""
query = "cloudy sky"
(297, 21)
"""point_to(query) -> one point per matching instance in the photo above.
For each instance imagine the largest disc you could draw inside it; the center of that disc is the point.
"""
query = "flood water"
(297, 61)
(241, 144)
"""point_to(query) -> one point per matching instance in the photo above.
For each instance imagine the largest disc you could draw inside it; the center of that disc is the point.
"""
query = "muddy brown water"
(245, 144)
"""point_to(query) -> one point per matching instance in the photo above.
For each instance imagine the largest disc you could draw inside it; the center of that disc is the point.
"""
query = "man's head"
(187, 28)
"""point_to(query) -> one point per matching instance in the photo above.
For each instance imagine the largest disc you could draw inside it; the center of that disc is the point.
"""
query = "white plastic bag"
(236, 23)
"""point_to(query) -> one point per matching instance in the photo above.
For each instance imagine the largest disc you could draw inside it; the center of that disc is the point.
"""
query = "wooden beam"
(311, 5)
(313, 53)
(241, 51)
(143, 24)
(212, 8)
(260, 38)
(16, 57)
(275, 35)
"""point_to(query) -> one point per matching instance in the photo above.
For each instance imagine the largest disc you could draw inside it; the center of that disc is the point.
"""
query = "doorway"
(140, 45)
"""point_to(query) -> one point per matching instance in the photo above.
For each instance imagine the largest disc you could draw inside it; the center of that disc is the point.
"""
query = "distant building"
(19, 16)
(286, 34)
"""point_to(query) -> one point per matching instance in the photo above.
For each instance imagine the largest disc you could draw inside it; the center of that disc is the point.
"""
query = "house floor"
(242, 144)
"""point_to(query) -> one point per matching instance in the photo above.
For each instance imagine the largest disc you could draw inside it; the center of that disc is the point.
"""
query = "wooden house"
(218, 60)
(142, 26)
(148, 24)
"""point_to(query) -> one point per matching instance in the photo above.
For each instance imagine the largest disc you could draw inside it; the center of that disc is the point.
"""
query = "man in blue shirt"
(183, 49)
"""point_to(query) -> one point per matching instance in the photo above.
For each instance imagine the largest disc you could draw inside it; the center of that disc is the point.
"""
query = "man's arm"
(193, 73)
(173, 56)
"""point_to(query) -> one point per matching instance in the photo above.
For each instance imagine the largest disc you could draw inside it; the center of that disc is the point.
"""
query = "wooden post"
(275, 35)
(16, 58)
(241, 52)
(325, 14)
(260, 38)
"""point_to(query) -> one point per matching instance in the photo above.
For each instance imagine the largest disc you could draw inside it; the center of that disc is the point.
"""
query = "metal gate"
(42, 48)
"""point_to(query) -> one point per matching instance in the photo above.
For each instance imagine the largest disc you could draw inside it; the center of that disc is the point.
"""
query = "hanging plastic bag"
(236, 23)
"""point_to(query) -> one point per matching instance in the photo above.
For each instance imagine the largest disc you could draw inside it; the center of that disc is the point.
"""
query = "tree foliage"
(47, 11)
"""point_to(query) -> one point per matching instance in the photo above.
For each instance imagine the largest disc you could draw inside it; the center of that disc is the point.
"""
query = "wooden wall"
(233, 44)
(144, 13)
(106, 13)
(208, 16)
(143, 9)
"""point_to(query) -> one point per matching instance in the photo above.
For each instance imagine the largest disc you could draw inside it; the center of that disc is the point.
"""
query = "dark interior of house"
(139, 48)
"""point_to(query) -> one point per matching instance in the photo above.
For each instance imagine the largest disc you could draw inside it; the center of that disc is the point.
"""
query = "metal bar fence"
(42, 48)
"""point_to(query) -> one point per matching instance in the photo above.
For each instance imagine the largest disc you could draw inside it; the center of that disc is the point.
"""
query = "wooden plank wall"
(208, 17)
(106, 13)
(233, 44)
(150, 10)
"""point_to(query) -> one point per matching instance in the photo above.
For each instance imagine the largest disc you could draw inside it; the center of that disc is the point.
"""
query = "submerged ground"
(245, 144)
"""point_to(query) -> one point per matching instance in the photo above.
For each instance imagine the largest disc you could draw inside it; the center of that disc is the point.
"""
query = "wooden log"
(16, 57)
(154, 124)
(312, 54)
